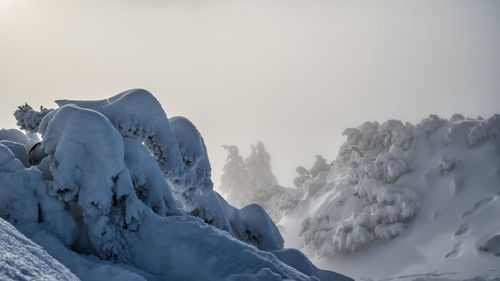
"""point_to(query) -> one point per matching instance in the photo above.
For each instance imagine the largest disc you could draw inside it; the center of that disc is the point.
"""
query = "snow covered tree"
(258, 166)
(234, 178)
(29, 119)
(320, 165)
(119, 181)
(250, 180)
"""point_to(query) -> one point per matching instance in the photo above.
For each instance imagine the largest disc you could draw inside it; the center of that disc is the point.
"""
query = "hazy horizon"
(293, 74)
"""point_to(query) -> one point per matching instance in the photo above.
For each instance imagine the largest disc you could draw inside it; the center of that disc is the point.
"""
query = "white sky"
(291, 73)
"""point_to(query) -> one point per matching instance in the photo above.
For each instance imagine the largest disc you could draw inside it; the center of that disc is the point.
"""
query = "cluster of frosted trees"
(250, 180)
(117, 179)
(363, 196)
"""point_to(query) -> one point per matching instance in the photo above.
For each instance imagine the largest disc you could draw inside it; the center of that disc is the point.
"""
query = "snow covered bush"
(116, 184)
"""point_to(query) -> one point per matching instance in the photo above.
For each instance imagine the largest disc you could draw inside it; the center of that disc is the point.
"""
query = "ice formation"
(398, 199)
(117, 191)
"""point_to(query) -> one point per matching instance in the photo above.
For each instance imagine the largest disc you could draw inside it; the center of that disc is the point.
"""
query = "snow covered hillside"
(115, 190)
(21, 259)
(400, 202)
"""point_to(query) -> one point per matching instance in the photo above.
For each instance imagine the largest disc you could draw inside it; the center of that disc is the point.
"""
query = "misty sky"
(291, 73)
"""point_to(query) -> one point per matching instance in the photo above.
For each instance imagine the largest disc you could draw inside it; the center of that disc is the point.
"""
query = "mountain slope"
(400, 200)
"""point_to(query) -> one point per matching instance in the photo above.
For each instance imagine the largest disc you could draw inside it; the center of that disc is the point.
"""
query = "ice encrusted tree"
(258, 167)
(251, 181)
(29, 119)
(233, 181)
(320, 165)
(119, 181)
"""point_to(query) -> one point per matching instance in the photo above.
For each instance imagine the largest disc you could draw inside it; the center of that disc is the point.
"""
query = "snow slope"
(402, 202)
(115, 190)
(21, 259)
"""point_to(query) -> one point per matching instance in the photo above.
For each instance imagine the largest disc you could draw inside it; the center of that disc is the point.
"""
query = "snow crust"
(21, 259)
(117, 191)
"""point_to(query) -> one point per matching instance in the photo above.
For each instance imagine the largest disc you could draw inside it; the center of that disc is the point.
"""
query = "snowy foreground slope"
(21, 259)
(115, 190)
(400, 202)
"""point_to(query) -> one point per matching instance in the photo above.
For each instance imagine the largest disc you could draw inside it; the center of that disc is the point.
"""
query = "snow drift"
(400, 199)
(116, 190)
(21, 259)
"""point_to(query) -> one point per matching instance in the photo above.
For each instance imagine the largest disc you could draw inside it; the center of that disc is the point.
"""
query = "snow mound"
(21, 259)
(117, 191)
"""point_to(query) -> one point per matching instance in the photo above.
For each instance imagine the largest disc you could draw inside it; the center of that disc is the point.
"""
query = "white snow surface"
(21, 259)
(116, 191)
(400, 202)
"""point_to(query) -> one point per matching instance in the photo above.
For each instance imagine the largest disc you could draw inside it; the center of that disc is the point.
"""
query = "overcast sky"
(291, 73)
